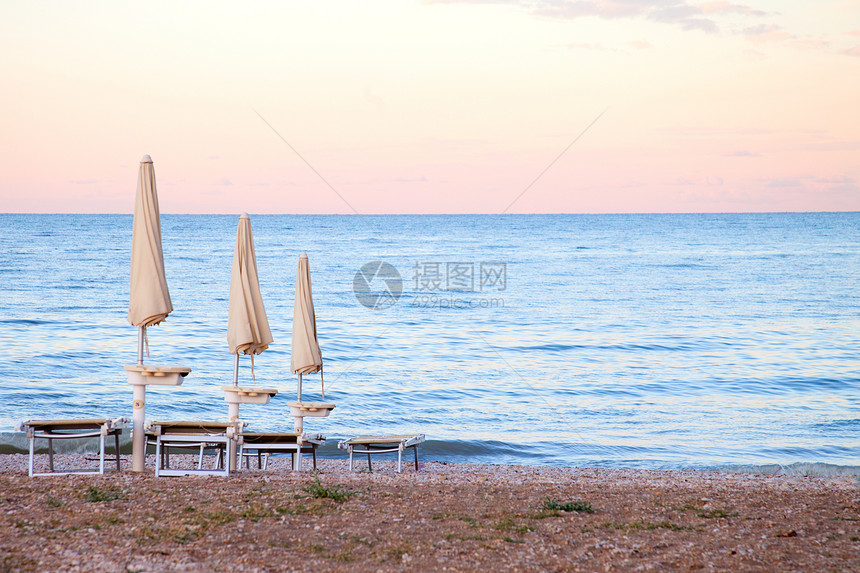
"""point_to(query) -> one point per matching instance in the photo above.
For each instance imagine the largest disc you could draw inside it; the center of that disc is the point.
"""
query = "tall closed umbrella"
(306, 355)
(148, 303)
(247, 326)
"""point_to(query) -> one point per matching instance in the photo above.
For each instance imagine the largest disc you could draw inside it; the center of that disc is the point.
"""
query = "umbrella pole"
(300, 386)
(233, 407)
(138, 443)
(141, 335)
(233, 416)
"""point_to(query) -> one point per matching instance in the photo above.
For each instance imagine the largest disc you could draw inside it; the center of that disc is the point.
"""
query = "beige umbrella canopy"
(306, 355)
(149, 301)
(247, 326)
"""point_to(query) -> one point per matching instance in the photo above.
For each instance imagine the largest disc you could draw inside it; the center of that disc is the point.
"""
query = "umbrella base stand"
(235, 395)
(140, 376)
(138, 437)
(300, 410)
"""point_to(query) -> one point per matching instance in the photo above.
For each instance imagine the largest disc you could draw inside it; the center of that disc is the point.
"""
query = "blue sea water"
(647, 341)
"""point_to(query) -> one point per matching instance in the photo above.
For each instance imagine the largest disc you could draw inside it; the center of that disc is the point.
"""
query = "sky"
(434, 106)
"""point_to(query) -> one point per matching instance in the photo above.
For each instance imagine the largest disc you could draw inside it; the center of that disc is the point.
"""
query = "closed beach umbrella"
(306, 356)
(247, 326)
(149, 301)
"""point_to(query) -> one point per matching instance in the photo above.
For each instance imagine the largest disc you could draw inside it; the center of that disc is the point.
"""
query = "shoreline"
(445, 517)
(16, 442)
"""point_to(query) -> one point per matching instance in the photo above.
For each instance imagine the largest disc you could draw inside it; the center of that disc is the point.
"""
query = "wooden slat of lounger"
(381, 439)
(192, 427)
(281, 438)
(271, 437)
(86, 424)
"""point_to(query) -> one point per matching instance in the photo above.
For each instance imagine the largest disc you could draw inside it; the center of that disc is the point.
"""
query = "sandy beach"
(446, 517)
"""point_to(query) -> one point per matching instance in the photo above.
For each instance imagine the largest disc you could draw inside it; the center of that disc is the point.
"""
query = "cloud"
(580, 8)
(590, 46)
(786, 182)
(702, 24)
(741, 153)
(679, 12)
(373, 99)
(703, 131)
(640, 44)
(707, 181)
(837, 183)
(811, 44)
(687, 15)
(422, 179)
(788, 193)
(834, 186)
(711, 17)
(729, 8)
(765, 33)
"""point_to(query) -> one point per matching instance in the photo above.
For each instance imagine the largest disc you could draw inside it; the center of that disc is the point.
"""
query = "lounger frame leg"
(232, 451)
(102, 454)
(298, 465)
(32, 452)
(159, 457)
(116, 439)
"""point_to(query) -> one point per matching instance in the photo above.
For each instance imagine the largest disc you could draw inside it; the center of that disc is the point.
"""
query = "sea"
(727, 342)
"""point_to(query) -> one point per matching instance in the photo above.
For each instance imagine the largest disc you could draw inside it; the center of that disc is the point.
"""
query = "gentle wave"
(805, 469)
(471, 452)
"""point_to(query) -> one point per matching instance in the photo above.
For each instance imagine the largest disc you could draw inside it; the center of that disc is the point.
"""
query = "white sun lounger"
(220, 435)
(381, 445)
(262, 444)
(52, 430)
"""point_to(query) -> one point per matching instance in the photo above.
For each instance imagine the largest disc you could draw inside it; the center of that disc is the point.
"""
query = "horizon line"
(487, 214)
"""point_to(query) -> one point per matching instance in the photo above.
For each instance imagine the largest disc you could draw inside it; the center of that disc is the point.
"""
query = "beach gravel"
(445, 517)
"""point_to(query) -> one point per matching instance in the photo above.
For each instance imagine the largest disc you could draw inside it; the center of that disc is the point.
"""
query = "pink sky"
(432, 107)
